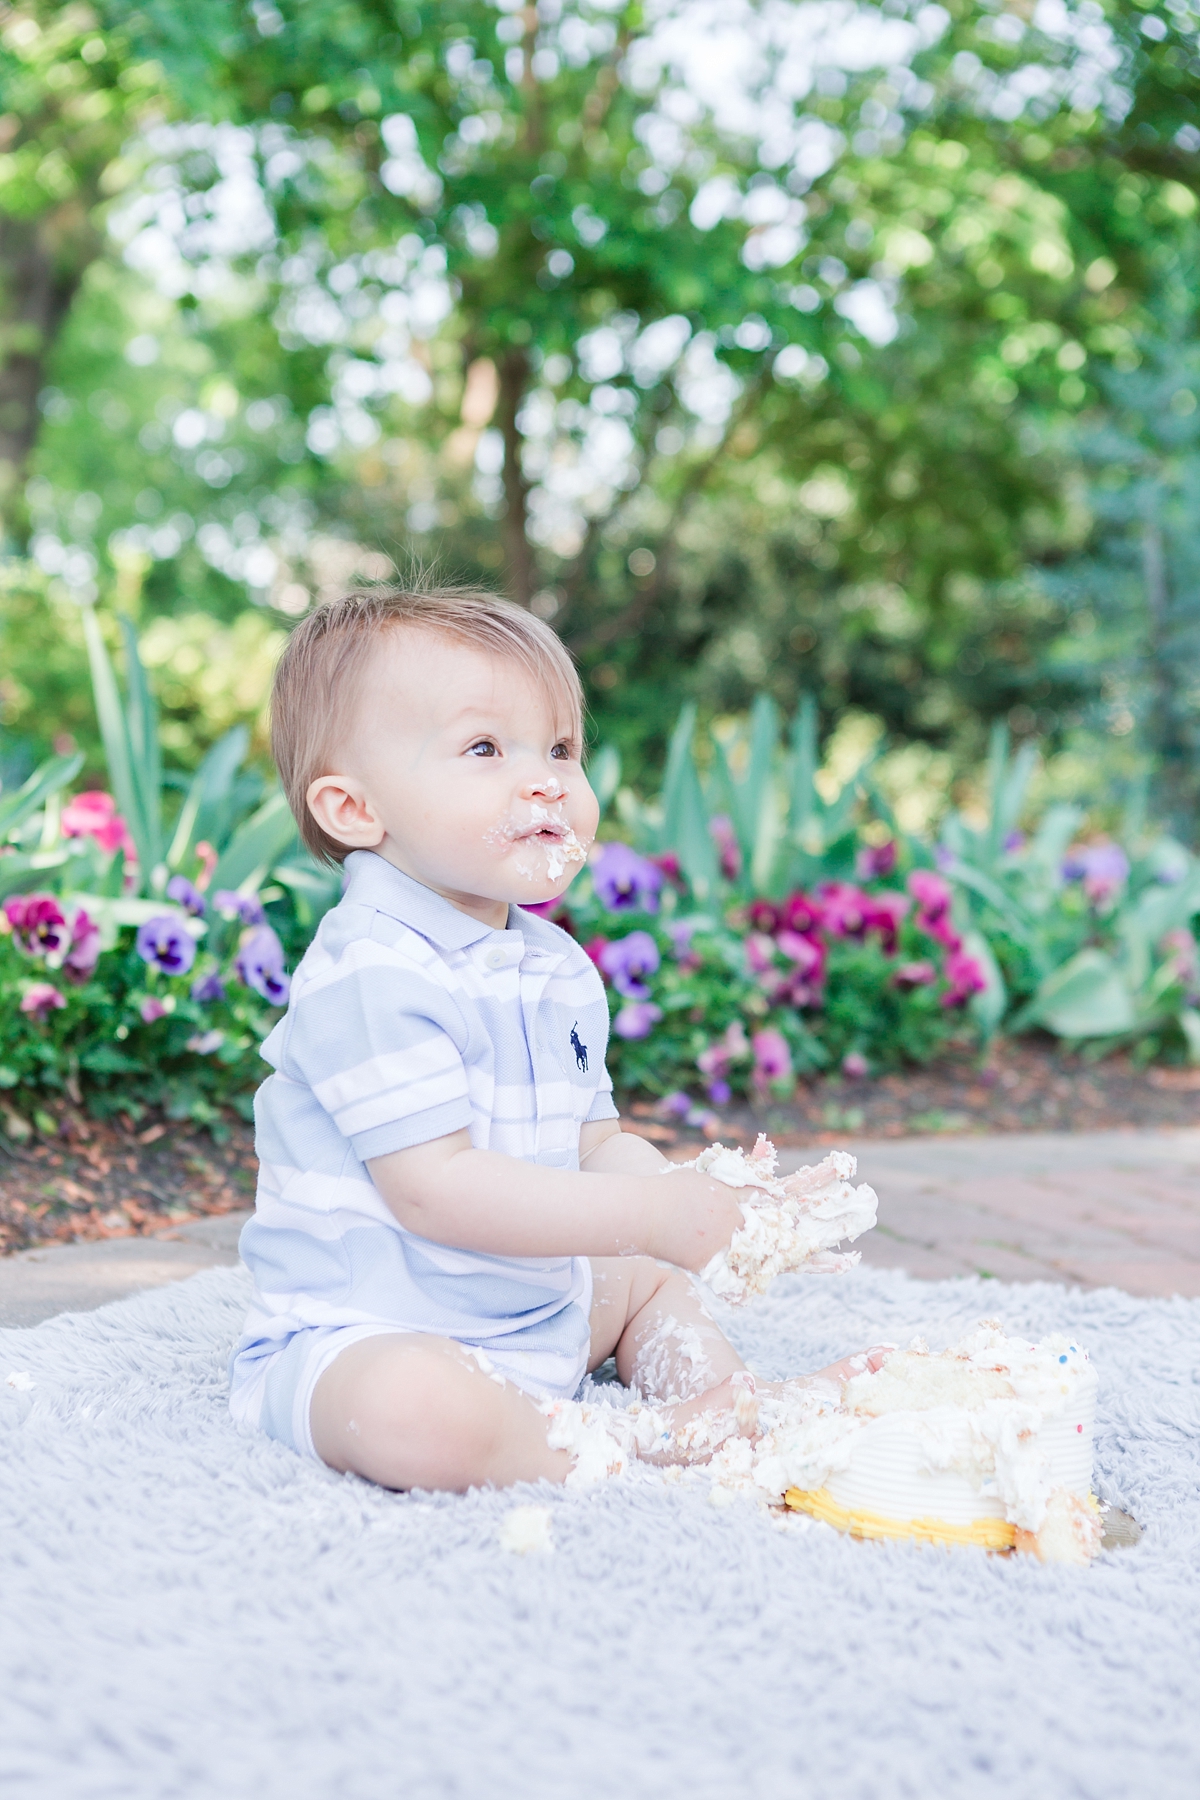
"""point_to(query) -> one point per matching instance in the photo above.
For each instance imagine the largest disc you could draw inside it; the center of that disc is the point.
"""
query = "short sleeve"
(380, 1044)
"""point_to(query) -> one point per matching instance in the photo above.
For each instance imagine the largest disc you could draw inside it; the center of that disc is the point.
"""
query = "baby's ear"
(340, 806)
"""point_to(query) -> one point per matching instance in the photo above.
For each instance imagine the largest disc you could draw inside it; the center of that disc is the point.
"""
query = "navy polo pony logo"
(579, 1049)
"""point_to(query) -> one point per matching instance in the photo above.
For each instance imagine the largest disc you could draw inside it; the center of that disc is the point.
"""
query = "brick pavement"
(1095, 1209)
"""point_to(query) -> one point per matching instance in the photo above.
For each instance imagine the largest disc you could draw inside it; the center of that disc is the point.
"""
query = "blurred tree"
(539, 280)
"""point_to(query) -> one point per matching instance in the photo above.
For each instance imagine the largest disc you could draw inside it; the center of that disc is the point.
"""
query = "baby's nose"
(546, 787)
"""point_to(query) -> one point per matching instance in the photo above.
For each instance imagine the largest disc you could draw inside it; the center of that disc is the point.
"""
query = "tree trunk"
(522, 574)
(42, 262)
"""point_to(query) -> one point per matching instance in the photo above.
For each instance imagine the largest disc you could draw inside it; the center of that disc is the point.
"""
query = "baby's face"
(469, 779)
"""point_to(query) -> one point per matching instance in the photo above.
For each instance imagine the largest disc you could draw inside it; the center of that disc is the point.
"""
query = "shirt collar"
(373, 881)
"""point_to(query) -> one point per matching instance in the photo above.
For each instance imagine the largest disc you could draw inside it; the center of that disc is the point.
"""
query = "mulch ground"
(119, 1178)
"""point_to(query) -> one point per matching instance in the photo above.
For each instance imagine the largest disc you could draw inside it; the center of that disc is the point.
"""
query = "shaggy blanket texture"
(187, 1610)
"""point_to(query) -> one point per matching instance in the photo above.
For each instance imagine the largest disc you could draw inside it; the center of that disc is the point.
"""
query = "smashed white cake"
(791, 1223)
(989, 1443)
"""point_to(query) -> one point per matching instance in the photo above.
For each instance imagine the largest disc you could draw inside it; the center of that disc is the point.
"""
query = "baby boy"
(451, 1225)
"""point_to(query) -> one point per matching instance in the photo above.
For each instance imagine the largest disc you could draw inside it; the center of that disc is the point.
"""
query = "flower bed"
(143, 1002)
(708, 1003)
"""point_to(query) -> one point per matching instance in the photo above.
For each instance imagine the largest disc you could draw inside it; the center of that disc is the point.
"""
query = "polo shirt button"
(497, 959)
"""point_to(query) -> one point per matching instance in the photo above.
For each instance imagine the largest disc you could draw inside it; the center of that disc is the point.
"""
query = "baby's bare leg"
(413, 1411)
(665, 1341)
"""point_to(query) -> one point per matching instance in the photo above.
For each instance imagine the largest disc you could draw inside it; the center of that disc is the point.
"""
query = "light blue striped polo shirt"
(407, 1021)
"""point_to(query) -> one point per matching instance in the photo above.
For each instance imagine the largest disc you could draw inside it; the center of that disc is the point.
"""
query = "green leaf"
(604, 775)
(50, 779)
(256, 846)
(1087, 997)
(209, 789)
(114, 732)
(146, 757)
(1189, 1024)
(804, 799)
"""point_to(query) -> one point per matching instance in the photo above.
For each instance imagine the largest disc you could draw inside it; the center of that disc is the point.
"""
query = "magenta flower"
(933, 896)
(765, 917)
(166, 944)
(95, 815)
(801, 913)
(40, 998)
(637, 1019)
(808, 954)
(152, 1009)
(876, 861)
(845, 909)
(181, 890)
(260, 965)
(628, 961)
(625, 881)
(914, 975)
(965, 977)
(772, 1056)
(884, 914)
(855, 1065)
(84, 952)
(728, 848)
(39, 926)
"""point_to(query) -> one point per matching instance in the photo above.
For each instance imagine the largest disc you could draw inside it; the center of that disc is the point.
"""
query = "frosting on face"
(537, 839)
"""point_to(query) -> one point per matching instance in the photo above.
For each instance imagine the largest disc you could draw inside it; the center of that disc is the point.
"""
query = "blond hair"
(325, 658)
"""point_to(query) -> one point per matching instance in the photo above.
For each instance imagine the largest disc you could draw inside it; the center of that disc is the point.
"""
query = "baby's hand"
(698, 1217)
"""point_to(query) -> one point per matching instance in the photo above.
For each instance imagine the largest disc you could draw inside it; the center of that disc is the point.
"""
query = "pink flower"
(884, 914)
(914, 975)
(845, 908)
(876, 861)
(808, 954)
(933, 896)
(152, 1009)
(594, 948)
(801, 912)
(208, 862)
(84, 953)
(39, 998)
(764, 917)
(732, 1046)
(760, 952)
(965, 977)
(38, 924)
(95, 815)
(855, 1065)
(772, 1056)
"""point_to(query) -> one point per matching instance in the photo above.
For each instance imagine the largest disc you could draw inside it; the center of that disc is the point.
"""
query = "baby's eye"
(561, 753)
(483, 747)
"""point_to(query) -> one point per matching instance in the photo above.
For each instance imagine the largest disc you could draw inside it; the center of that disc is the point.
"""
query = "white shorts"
(276, 1394)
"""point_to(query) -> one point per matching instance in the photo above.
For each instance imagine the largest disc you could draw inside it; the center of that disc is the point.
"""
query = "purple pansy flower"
(772, 1056)
(246, 907)
(627, 961)
(166, 944)
(184, 894)
(207, 988)
(637, 1018)
(260, 965)
(1102, 868)
(625, 881)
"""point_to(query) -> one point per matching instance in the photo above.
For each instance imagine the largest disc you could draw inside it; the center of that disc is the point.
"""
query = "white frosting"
(987, 1429)
(526, 1529)
(790, 1223)
(539, 856)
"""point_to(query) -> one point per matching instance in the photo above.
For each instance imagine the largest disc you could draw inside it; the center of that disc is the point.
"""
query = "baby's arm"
(617, 1205)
